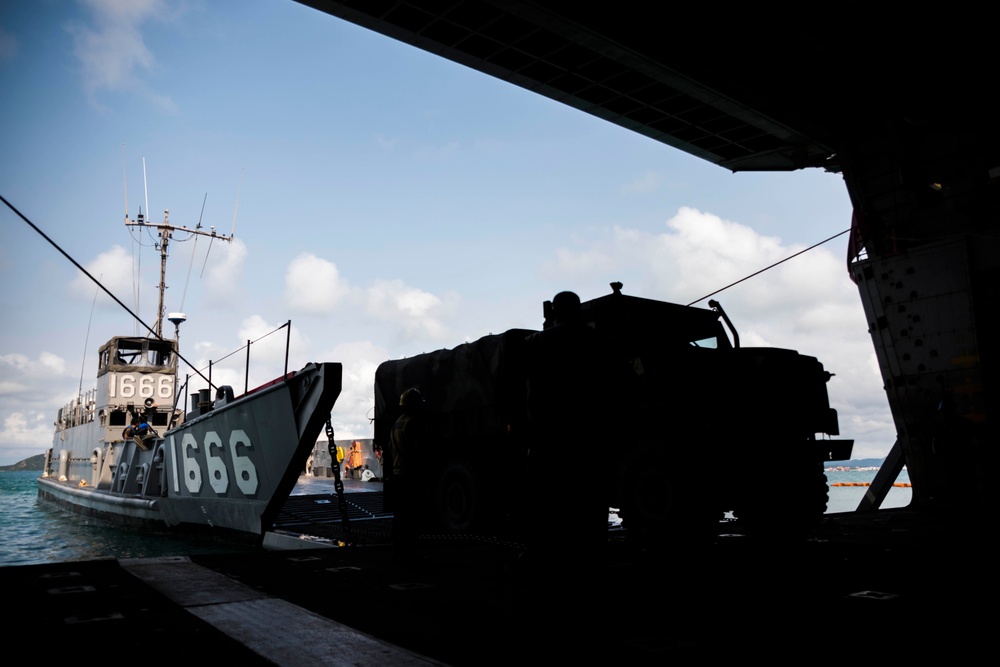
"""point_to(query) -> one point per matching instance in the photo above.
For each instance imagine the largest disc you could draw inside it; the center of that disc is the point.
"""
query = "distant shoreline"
(31, 463)
(854, 465)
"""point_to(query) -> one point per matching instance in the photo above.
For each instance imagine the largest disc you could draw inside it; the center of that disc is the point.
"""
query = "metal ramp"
(304, 511)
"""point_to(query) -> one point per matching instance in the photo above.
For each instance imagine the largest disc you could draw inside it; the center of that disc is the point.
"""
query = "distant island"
(30, 463)
(856, 464)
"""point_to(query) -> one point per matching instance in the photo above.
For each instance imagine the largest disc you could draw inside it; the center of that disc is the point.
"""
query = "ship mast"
(165, 231)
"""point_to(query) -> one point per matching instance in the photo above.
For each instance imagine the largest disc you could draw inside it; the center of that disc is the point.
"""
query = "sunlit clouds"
(31, 390)
(806, 304)
(218, 268)
(803, 304)
(22, 431)
(412, 312)
(114, 270)
(393, 203)
(647, 182)
(112, 52)
(353, 411)
(313, 285)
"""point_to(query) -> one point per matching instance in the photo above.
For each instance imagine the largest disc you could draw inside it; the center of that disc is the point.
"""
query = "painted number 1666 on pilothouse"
(127, 386)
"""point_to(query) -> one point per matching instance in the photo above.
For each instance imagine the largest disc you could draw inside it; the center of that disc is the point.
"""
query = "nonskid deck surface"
(322, 515)
(889, 585)
(314, 510)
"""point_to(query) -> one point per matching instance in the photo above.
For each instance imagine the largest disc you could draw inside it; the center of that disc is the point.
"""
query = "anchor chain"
(338, 485)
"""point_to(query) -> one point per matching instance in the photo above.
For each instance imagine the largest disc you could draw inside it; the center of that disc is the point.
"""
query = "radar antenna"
(165, 231)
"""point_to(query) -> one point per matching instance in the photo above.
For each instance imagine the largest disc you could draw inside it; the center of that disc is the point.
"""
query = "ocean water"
(847, 498)
(33, 532)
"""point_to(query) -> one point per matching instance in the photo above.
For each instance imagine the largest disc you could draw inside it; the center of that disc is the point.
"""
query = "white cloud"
(270, 341)
(123, 272)
(417, 315)
(112, 51)
(707, 253)
(25, 434)
(355, 406)
(229, 358)
(52, 364)
(31, 392)
(648, 182)
(222, 282)
(313, 285)
(576, 263)
(807, 303)
(18, 367)
(114, 270)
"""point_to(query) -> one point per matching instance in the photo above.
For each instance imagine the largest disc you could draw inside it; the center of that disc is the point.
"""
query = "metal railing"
(246, 371)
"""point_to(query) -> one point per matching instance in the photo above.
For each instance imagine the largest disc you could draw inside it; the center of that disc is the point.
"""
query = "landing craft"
(225, 463)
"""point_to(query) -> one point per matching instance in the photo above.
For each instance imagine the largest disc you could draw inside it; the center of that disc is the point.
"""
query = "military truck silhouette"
(686, 415)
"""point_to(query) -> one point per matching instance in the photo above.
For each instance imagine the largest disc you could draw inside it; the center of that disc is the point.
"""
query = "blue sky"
(385, 200)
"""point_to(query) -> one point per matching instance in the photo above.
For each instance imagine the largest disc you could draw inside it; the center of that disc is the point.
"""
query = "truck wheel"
(658, 502)
(647, 496)
(457, 498)
(791, 506)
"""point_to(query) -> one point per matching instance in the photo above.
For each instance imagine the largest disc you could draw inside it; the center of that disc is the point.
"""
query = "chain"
(338, 485)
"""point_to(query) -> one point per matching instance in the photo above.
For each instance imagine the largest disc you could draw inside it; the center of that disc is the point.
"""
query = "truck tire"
(658, 501)
(791, 506)
(457, 499)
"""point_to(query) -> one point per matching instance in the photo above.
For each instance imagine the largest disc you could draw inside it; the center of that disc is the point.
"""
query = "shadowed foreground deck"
(893, 584)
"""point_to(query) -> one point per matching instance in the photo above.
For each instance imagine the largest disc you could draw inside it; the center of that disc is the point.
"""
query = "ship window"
(117, 418)
(159, 353)
(129, 352)
(712, 342)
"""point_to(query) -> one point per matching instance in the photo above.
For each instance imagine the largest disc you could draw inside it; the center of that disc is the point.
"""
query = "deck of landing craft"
(892, 585)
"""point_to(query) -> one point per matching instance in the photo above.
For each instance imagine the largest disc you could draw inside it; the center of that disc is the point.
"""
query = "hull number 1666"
(216, 459)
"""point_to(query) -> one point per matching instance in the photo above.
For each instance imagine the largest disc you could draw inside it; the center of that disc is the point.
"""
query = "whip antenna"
(205, 263)
(138, 287)
(86, 344)
(231, 234)
(193, 250)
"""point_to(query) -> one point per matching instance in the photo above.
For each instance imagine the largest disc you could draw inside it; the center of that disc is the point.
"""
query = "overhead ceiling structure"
(899, 106)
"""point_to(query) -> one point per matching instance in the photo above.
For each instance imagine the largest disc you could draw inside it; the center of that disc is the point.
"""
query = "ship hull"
(228, 469)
